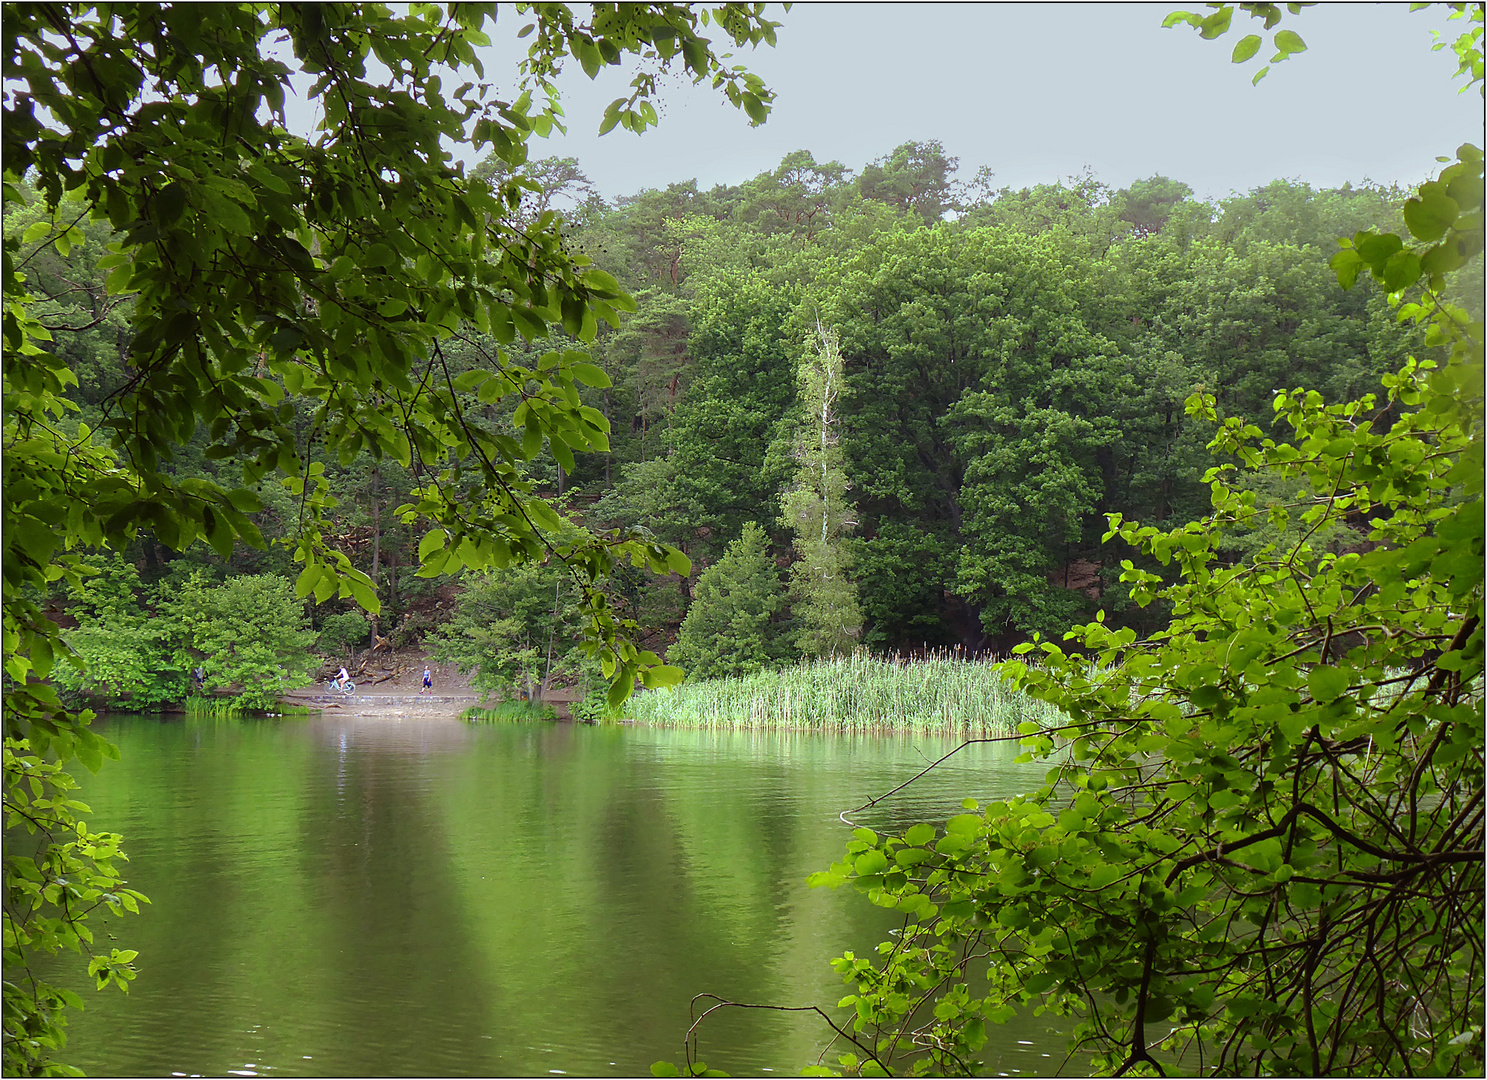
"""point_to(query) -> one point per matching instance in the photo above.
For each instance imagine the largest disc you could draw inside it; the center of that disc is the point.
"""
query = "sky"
(1038, 92)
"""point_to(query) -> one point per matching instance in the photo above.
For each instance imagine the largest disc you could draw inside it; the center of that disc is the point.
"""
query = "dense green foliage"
(1259, 849)
(514, 631)
(268, 304)
(1061, 326)
(1010, 377)
(1262, 847)
(132, 651)
(732, 627)
(364, 363)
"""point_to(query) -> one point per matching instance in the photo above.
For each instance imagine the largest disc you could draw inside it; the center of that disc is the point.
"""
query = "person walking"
(428, 682)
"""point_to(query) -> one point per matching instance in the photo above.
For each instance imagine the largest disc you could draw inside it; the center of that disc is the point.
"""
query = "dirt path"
(389, 686)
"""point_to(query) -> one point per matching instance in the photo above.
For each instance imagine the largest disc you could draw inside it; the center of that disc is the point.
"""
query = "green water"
(357, 896)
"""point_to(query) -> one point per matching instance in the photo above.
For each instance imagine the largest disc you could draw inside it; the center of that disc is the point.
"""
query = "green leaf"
(1288, 42)
(1377, 248)
(219, 534)
(433, 541)
(619, 692)
(1431, 214)
(89, 754)
(308, 578)
(1039, 981)
(757, 110)
(365, 596)
(1347, 263)
(964, 824)
(1217, 24)
(600, 282)
(326, 587)
(1246, 48)
(41, 656)
(590, 375)
(662, 675)
(37, 539)
(544, 515)
(1327, 683)
(531, 438)
(920, 835)
(246, 501)
(611, 116)
(469, 380)
(1401, 270)
(170, 204)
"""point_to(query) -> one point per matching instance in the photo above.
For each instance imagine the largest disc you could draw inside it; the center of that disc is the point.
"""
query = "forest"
(1206, 476)
(1014, 367)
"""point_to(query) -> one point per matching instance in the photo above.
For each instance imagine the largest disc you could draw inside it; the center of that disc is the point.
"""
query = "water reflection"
(348, 895)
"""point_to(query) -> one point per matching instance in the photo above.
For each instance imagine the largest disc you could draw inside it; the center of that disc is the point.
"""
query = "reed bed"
(509, 710)
(229, 709)
(935, 694)
(220, 708)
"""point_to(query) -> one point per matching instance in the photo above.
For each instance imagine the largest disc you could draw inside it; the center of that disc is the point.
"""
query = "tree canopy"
(501, 414)
(290, 293)
(1259, 849)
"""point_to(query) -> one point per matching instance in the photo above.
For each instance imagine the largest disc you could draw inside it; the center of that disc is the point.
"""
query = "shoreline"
(403, 704)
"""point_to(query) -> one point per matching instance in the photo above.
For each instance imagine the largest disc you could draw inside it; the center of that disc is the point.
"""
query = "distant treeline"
(1016, 364)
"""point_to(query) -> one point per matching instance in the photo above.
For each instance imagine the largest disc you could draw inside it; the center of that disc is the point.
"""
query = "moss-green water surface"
(359, 896)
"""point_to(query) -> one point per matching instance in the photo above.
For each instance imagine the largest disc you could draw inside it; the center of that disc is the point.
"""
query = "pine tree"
(730, 628)
(823, 599)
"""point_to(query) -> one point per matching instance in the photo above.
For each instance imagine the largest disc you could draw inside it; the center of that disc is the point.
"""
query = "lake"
(339, 896)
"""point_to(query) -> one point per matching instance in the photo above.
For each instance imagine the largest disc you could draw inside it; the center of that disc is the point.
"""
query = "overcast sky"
(1037, 92)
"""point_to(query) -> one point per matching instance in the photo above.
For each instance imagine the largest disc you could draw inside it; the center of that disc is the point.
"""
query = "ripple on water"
(355, 895)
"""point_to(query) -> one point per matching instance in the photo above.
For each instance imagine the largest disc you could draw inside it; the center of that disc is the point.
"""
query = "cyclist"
(341, 678)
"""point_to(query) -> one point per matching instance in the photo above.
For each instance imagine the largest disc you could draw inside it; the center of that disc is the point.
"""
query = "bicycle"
(345, 689)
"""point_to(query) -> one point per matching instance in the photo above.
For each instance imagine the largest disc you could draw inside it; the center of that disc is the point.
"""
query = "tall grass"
(939, 694)
(228, 708)
(221, 708)
(510, 710)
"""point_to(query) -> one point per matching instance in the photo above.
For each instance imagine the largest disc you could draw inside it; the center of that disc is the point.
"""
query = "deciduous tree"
(1260, 846)
(823, 599)
(274, 274)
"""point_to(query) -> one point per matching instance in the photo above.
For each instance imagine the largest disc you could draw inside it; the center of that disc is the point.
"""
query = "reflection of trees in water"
(435, 897)
(389, 939)
(391, 734)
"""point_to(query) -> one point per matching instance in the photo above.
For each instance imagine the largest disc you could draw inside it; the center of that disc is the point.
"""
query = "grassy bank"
(936, 694)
